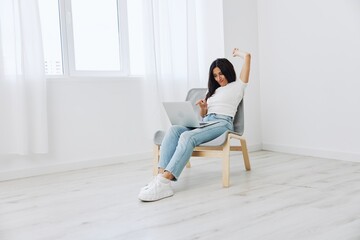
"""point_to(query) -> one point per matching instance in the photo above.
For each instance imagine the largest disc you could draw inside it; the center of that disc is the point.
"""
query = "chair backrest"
(195, 94)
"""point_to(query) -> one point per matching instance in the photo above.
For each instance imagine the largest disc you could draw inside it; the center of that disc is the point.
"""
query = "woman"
(220, 104)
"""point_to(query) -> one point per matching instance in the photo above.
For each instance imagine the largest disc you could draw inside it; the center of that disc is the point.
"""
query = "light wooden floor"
(283, 197)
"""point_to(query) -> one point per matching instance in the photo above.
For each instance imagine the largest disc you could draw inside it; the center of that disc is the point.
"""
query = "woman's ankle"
(168, 175)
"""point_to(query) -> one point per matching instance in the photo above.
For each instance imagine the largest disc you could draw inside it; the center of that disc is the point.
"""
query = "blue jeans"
(179, 142)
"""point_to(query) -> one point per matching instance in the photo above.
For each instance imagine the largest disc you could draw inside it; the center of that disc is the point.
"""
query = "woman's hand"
(202, 103)
(237, 53)
(203, 107)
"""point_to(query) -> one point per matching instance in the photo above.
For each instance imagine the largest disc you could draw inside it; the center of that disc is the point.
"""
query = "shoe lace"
(151, 183)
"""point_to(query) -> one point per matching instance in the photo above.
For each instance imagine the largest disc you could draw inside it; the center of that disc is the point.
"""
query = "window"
(92, 37)
(49, 17)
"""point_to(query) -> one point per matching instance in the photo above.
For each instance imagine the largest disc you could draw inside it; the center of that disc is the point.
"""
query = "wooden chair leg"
(226, 164)
(156, 159)
(245, 154)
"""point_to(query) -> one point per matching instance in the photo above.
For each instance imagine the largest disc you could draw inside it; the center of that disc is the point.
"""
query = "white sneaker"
(155, 190)
(149, 184)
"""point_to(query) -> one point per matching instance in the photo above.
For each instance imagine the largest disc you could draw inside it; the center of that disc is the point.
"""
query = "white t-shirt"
(226, 99)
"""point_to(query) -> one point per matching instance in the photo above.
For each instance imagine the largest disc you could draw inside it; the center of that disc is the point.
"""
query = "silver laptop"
(182, 113)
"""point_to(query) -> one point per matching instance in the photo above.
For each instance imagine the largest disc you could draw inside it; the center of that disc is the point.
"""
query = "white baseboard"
(76, 165)
(322, 153)
(255, 147)
(70, 166)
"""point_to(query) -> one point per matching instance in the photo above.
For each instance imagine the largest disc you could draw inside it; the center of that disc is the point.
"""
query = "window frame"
(67, 43)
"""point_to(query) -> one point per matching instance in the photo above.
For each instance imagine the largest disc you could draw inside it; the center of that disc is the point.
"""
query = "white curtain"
(166, 52)
(182, 38)
(23, 114)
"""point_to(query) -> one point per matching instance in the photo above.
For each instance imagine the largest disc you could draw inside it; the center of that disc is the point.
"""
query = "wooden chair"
(219, 147)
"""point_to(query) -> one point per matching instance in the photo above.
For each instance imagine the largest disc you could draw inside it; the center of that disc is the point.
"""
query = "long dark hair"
(227, 69)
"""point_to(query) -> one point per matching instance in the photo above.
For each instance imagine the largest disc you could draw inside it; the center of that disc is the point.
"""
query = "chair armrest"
(158, 137)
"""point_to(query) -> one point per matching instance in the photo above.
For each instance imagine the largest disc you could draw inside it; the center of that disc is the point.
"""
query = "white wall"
(310, 78)
(97, 118)
(210, 35)
(92, 122)
(241, 31)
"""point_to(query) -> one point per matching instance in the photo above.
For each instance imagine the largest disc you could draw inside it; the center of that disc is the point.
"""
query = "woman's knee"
(176, 130)
(187, 137)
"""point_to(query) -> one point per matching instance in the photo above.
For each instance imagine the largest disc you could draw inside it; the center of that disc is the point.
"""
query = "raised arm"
(245, 70)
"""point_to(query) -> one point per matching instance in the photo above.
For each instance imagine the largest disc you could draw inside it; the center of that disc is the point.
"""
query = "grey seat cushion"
(158, 137)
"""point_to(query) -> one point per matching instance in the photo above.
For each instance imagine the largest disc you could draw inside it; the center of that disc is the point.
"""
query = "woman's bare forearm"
(245, 70)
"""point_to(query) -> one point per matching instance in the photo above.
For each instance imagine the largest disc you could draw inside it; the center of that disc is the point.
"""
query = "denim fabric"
(179, 142)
